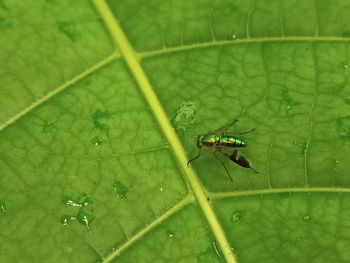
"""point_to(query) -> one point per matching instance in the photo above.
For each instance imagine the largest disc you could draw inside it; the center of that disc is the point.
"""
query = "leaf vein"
(163, 51)
(132, 60)
(223, 195)
(57, 90)
(187, 200)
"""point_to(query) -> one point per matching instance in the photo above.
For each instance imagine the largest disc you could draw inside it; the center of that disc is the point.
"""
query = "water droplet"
(236, 216)
(85, 216)
(84, 200)
(234, 36)
(2, 206)
(65, 219)
(96, 141)
(306, 147)
(306, 218)
(287, 100)
(120, 189)
(170, 234)
(185, 114)
(345, 66)
(71, 203)
(336, 165)
(161, 189)
(216, 249)
(298, 236)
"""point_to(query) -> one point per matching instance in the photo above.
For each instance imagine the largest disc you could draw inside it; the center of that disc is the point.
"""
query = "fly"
(222, 141)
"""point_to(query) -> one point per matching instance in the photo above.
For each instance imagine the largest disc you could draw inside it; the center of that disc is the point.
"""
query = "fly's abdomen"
(232, 141)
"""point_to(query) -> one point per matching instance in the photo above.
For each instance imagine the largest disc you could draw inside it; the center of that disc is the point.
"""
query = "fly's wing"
(238, 159)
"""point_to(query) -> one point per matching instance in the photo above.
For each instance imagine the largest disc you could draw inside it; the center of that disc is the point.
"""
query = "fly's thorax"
(232, 141)
(210, 139)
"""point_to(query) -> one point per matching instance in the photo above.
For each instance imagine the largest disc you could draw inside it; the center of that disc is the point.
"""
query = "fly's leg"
(240, 160)
(198, 155)
(224, 128)
(246, 132)
(217, 157)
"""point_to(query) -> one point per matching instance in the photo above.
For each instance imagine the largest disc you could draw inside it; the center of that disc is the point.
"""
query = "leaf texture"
(101, 102)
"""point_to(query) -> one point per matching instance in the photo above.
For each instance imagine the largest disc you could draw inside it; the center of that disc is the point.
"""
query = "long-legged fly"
(221, 141)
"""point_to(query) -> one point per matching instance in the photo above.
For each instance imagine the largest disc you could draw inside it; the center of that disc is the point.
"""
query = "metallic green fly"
(223, 142)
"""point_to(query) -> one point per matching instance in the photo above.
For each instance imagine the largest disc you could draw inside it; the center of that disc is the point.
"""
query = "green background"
(87, 174)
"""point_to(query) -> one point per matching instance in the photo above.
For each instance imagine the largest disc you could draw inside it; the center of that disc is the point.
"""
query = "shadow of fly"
(221, 141)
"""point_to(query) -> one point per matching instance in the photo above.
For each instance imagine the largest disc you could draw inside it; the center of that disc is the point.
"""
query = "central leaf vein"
(148, 92)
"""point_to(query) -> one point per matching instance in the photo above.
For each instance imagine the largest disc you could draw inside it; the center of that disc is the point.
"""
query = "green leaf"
(100, 104)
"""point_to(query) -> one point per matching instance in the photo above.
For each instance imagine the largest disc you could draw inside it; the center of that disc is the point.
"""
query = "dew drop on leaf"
(170, 234)
(96, 141)
(2, 206)
(120, 189)
(70, 202)
(306, 218)
(84, 200)
(236, 216)
(216, 249)
(85, 216)
(85, 213)
(300, 236)
(336, 165)
(185, 114)
(65, 219)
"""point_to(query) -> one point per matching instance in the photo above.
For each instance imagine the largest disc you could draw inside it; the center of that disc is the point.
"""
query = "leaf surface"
(101, 102)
